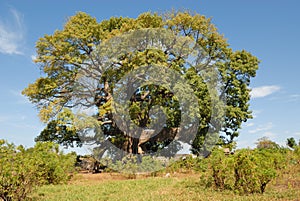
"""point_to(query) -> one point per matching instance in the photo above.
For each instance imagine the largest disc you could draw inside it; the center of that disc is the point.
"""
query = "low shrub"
(253, 170)
(21, 170)
(187, 164)
(245, 172)
(131, 165)
(220, 171)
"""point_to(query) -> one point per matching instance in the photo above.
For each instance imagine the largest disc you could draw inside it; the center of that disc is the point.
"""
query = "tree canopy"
(266, 143)
(86, 62)
(291, 142)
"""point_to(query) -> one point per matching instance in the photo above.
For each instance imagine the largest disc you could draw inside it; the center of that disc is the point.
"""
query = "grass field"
(185, 187)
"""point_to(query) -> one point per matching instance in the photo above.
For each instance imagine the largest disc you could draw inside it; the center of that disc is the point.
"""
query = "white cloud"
(269, 134)
(294, 98)
(12, 34)
(255, 113)
(264, 91)
(249, 124)
(21, 99)
(262, 128)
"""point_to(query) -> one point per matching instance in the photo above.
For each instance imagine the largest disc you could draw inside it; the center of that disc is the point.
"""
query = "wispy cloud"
(263, 91)
(269, 134)
(255, 113)
(12, 33)
(262, 128)
(249, 124)
(3, 118)
(19, 97)
(294, 98)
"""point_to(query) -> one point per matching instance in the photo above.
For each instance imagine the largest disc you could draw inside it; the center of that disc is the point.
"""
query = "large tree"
(84, 63)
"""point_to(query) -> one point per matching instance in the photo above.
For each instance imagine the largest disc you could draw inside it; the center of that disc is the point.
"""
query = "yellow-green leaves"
(149, 20)
(83, 63)
(200, 29)
(244, 63)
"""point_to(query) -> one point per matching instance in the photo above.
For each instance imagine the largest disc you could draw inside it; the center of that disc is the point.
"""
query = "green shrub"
(16, 178)
(131, 165)
(53, 167)
(187, 165)
(297, 153)
(21, 170)
(150, 164)
(220, 171)
(253, 171)
(247, 171)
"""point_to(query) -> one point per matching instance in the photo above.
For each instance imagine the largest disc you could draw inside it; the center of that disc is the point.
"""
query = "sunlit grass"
(183, 187)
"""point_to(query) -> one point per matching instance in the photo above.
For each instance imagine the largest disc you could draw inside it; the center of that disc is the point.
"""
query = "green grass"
(159, 188)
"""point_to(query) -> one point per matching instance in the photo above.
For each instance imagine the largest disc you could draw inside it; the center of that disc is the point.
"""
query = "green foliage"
(150, 164)
(16, 179)
(21, 170)
(245, 172)
(220, 171)
(61, 131)
(291, 142)
(156, 189)
(297, 154)
(67, 54)
(53, 167)
(187, 165)
(253, 171)
(130, 166)
(243, 175)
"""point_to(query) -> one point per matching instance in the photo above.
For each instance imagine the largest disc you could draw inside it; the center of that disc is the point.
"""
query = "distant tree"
(266, 143)
(291, 142)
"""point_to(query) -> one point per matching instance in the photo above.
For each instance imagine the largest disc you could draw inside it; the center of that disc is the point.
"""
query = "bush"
(247, 171)
(150, 164)
(16, 179)
(21, 170)
(128, 166)
(52, 166)
(220, 171)
(187, 164)
(297, 154)
(253, 171)
(131, 165)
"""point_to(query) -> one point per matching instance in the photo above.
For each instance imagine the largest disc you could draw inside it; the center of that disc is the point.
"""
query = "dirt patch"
(89, 178)
(85, 177)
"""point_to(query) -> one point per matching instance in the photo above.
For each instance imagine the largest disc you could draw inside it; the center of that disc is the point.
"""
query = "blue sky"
(268, 29)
